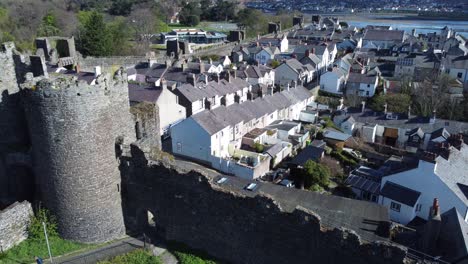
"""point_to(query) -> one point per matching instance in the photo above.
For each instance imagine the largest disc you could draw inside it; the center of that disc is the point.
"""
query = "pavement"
(117, 248)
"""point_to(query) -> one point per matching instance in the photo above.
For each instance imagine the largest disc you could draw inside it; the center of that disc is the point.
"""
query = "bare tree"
(142, 22)
(431, 95)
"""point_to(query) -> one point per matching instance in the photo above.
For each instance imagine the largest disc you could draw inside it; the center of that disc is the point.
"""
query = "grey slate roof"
(309, 153)
(400, 193)
(384, 35)
(143, 93)
(330, 134)
(371, 117)
(217, 119)
(453, 171)
(453, 235)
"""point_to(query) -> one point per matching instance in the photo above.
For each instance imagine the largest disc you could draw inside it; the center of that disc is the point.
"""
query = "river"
(406, 24)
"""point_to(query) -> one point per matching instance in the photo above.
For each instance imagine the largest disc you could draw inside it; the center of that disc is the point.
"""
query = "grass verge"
(139, 256)
(187, 255)
(25, 251)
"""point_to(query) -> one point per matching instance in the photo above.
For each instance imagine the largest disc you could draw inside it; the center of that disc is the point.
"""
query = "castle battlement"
(74, 84)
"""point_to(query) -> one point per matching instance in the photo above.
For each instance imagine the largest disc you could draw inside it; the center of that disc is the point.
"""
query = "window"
(459, 75)
(179, 147)
(395, 206)
(418, 207)
(368, 86)
(366, 195)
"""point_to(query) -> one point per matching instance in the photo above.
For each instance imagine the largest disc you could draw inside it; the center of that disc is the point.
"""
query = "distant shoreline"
(389, 16)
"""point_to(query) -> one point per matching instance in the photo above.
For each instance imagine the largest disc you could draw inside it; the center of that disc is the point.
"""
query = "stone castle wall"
(88, 63)
(188, 207)
(12, 127)
(75, 130)
(14, 222)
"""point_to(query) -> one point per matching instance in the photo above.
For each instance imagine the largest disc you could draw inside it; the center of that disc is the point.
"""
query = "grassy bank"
(26, 250)
(187, 255)
(139, 256)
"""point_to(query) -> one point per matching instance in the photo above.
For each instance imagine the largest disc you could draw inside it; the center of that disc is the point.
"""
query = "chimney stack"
(363, 106)
(432, 228)
(433, 118)
(287, 87)
(164, 84)
(341, 106)
(385, 108)
(228, 76)
(97, 71)
(192, 79)
(201, 65)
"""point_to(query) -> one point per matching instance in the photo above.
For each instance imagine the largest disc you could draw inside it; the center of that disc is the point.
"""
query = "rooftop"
(400, 193)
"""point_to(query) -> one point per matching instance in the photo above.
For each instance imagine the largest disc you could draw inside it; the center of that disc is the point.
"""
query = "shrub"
(36, 229)
(139, 256)
(258, 147)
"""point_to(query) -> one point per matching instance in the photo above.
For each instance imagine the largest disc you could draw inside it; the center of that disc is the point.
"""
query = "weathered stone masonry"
(13, 138)
(75, 129)
(14, 221)
(188, 207)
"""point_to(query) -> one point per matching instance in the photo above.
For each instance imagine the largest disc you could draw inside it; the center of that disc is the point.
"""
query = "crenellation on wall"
(189, 206)
(14, 223)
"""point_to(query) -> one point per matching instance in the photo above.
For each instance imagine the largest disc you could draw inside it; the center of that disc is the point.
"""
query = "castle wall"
(75, 129)
(88, 63)
(188, 207)
(12, 124)
(14, 222)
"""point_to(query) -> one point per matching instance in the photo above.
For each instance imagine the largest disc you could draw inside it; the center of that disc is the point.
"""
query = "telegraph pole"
(47, 241)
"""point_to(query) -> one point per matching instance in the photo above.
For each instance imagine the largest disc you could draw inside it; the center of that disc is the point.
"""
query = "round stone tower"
(75, 130)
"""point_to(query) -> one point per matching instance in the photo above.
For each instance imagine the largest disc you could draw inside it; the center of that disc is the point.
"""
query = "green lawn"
(139, 256)
(26, 250)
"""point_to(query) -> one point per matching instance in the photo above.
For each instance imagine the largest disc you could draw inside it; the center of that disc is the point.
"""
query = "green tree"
(96, 38)
(190, 14)
(49, 26)
(253, 20)
(121, 7)
(275, 63)
(205, 9)
(223, 11)
(118, 30)
(314, 174)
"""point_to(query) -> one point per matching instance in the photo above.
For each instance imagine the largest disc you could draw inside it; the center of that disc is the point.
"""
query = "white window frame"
(395, 206)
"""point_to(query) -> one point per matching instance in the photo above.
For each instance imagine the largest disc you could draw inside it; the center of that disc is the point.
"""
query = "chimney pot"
(97, 71)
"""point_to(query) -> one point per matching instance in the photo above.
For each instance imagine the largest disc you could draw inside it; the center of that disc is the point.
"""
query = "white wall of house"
(198, 106)
(331, 82)
(220, 142)
(195, 144)
(215, 69)
(424, 180)
(460, 74)
(367, 89)
(405, 213)
(284, 45)
(169, 109)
